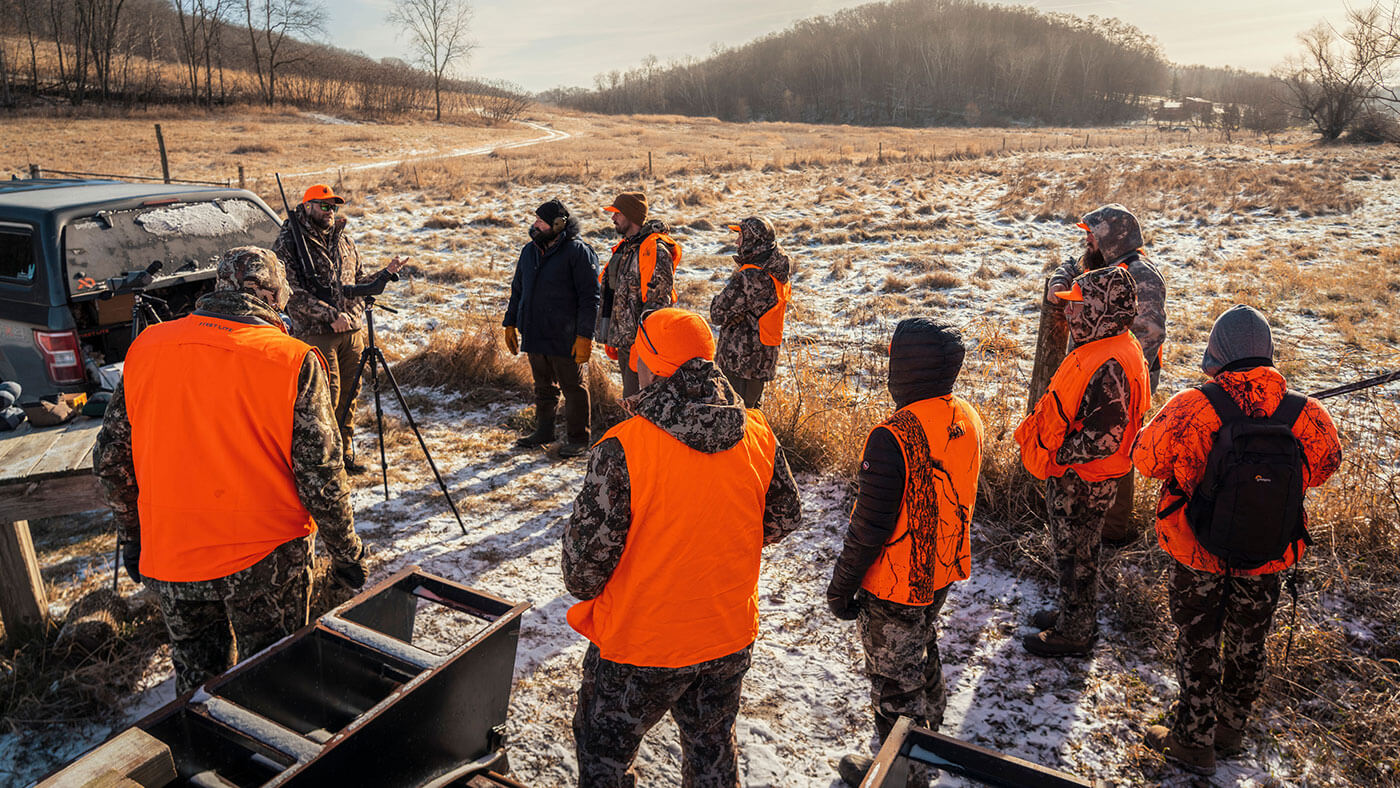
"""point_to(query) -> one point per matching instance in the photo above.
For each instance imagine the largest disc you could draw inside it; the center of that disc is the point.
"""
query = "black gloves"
(843, 603)
(131, 559)
(349, 574)
(846, 576)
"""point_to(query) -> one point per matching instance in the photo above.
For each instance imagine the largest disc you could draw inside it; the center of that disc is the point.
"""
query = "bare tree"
(270, 24)
(437, 36)
(1339, 74)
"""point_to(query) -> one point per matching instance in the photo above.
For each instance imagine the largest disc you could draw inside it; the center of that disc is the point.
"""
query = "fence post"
(242, 184)
(880, 154)
(24, 605)
(164, 162)
(649, 170)
(34, 171)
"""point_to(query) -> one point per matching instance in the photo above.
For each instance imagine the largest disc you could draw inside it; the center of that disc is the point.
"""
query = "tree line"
(906, 62)
(212, 53)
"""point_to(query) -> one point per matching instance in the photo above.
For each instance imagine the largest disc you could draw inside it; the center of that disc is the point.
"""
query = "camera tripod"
(373, 358)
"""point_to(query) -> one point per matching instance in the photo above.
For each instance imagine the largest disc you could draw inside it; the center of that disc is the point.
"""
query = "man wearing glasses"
(321, 312)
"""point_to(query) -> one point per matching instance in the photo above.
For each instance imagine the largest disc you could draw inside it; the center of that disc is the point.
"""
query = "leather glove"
(349, 574)
(583, 348)
(843, 604)
(512, 341)
(131, 559)
(611, 351)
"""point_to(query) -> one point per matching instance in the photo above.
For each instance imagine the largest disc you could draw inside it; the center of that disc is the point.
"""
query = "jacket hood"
(1109, 306)
(1258, 390)
(1115, 230)
(925, 358)
(236, 304)
(649, 227)
(696, 406)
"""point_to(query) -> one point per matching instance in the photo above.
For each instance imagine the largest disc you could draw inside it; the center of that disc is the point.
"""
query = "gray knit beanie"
(1241, 332)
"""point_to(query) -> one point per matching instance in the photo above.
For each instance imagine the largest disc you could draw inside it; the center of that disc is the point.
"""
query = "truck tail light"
(62, 355)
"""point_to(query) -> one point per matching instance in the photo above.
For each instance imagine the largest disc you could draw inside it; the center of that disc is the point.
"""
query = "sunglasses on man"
(327, 206)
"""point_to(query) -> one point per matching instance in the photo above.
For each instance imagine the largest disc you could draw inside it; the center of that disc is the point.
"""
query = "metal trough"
(908, 743)
(406, 684)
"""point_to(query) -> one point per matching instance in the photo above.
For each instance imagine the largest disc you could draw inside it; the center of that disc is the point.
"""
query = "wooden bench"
(43, 473)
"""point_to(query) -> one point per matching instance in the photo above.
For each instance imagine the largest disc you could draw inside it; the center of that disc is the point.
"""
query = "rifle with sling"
(302, 264)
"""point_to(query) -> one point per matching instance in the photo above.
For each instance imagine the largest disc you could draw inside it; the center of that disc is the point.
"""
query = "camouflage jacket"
(316, 453)
(335, 262)
(736, 309)
(622, 287)
(1105, 411)
(1150, 322)
(697, 407)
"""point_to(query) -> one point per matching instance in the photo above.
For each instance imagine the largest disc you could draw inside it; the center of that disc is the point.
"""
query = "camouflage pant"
(1077, 510)
(619, 703)
(1118, 522)
(213, 623)
(1221, 622)
(342, 354)
(750, 390)
(901, 660)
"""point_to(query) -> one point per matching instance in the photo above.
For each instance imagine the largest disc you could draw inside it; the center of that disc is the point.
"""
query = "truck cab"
(70, 251)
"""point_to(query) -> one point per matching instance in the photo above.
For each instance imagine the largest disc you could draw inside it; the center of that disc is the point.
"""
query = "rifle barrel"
(1358, 385)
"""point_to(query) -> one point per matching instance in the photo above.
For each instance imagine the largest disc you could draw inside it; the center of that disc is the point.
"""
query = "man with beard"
(750, 310)
(638, 278)
(227, 424)
(550, 315)
(327, 308)
(669, 587)
(1113, 237)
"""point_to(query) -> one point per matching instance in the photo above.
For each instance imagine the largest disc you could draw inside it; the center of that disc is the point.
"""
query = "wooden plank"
(77, 492)
(134, 756)
(1051, 347)
(9, 441)
(24, 606)
(67, 451)
(29, 449)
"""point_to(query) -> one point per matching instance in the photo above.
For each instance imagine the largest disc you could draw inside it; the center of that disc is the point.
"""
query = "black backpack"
(1248, 508)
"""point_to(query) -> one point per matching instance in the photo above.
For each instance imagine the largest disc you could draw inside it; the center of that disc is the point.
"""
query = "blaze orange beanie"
(667, 338)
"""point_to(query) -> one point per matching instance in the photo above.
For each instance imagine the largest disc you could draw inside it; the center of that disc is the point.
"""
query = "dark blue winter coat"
(554, 294)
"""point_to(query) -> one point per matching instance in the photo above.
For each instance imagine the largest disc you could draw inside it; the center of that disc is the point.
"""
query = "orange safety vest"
(646, 261)
(210, 404)
(1042, 433)
(941, 440)
(770, 325)
(686, 588)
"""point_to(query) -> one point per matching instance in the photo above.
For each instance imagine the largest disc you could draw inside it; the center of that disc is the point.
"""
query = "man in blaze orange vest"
(908, 539)
(639, 278)
(220, 456)
(750, 310)
(1079, 439)
(1222, 614)
(663, 548)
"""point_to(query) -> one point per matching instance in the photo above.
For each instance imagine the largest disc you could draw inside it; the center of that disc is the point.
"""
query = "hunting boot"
(544, 427)
(1050, 643)
(1200, 760)
(1228, 741)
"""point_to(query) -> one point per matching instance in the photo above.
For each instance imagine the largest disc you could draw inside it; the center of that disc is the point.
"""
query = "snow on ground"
(806, 699)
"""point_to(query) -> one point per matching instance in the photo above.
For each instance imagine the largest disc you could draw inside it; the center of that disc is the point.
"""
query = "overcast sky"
(540, 44)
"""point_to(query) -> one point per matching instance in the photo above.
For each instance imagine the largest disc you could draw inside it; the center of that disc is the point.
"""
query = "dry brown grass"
(468, 357)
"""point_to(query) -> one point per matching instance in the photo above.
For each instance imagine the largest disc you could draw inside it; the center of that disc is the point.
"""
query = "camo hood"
(695, 405)
(1108, 307)
(251, 269)
(1115, 229)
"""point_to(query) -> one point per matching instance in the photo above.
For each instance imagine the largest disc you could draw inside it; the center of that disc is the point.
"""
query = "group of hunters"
(224, 450)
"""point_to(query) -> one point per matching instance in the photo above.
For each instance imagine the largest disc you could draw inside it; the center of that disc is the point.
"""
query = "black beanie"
(552, 210)
(925, 358)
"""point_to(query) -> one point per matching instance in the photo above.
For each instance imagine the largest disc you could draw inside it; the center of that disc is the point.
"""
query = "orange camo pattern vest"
(1041, 434)
(941, 440)
(770, 325)
(210, 404)
(646, 261)
(686, 588)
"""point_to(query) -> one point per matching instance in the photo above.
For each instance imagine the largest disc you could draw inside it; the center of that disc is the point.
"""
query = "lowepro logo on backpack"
(1248, 508)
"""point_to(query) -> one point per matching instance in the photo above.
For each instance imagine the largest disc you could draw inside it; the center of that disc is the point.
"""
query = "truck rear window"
(186, 237)
(16, 254)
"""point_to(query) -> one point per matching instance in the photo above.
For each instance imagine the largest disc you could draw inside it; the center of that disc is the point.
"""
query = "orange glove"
(611, 351)
(583, 348)
(512, 341)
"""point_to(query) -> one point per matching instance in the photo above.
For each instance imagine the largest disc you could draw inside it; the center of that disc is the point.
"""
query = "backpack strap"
(1225, 406)
(1290, 409)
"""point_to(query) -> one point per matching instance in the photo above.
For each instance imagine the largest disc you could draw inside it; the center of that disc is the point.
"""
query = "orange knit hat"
(667, 338)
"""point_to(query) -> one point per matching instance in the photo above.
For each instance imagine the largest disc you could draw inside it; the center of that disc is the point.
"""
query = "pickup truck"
(71, 253)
